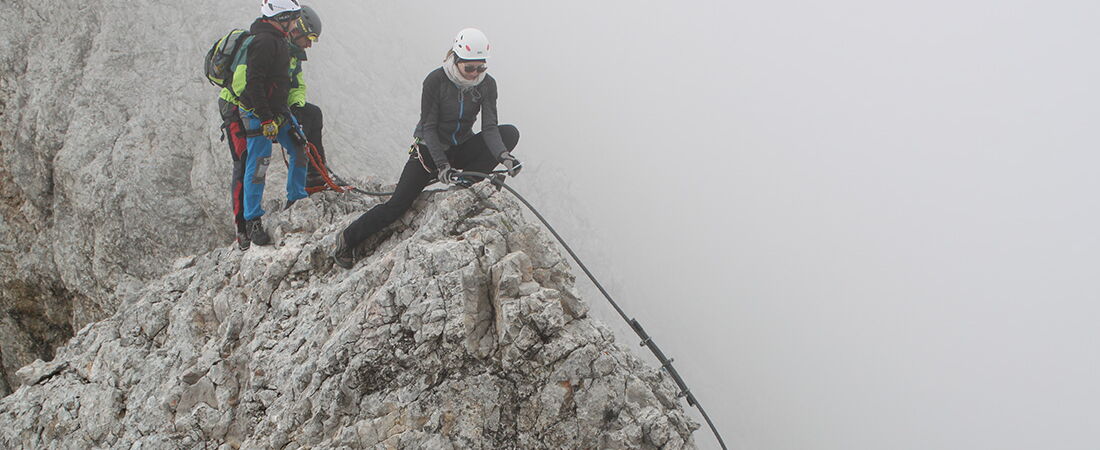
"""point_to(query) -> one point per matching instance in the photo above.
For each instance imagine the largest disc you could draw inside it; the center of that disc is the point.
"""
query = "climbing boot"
(256, 232)
(343, 255)
(243, 241)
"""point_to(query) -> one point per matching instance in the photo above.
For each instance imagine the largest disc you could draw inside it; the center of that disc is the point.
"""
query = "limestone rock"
(455, 332)
(138, 324)
(110, 163)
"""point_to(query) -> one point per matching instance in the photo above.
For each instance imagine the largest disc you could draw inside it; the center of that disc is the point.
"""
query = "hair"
(449, 53)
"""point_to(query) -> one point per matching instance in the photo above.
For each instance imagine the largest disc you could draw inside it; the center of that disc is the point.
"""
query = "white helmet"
(471, 43)
(281, 9)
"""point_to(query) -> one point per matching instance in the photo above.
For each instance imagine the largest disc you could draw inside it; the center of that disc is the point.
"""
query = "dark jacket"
(268, 71)
(447, 114)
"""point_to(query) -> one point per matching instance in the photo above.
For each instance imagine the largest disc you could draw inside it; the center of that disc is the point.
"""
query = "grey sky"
(855, 225)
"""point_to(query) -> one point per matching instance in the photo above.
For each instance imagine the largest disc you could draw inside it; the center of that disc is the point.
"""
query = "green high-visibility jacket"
(297, 94)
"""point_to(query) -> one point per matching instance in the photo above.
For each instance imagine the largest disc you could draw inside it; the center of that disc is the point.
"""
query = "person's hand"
(271, 131)
(446, 174)
(511, 163)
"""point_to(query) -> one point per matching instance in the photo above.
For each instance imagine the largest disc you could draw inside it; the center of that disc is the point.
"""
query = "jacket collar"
(297, 52)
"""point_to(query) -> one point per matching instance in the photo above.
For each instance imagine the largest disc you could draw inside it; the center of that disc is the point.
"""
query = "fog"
(854, 225)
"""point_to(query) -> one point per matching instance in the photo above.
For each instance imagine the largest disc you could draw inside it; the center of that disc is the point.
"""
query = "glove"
(271, 131)
(446, 174)
(511, 163)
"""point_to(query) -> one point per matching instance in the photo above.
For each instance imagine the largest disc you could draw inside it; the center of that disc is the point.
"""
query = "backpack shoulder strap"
(240, 56)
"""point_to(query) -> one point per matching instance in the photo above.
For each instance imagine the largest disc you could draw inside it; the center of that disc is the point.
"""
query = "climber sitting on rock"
(308, 114)
(452, 97)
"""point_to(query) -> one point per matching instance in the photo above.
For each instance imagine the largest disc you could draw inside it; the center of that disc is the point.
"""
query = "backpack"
(224, 56)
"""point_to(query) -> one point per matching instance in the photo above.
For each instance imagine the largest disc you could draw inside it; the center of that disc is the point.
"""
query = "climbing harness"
(414, 152)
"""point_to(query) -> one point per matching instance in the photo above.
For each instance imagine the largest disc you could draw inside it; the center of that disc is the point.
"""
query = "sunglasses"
(300, 33)
(302, 27)
(472, 69)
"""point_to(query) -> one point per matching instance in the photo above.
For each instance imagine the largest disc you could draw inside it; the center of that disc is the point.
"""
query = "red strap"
(315, 158)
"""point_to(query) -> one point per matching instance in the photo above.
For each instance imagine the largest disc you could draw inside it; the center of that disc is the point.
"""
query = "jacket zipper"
(461, 108)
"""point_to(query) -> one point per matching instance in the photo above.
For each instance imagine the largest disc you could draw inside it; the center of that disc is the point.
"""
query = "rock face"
(461, 329)
(110, 162)
(109, 159)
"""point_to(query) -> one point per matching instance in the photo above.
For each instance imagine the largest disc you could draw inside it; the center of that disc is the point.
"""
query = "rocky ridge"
(461, 329)
(110, 163)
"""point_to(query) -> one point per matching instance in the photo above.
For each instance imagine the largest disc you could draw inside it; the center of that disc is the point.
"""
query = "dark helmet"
(310, 23)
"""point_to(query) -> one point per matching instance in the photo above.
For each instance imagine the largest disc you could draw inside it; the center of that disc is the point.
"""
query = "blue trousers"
(257, 161)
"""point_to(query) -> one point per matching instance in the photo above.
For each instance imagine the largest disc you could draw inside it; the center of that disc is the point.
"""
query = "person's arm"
(429, 121)
(261, 60)
(489, 130)
(297, 95)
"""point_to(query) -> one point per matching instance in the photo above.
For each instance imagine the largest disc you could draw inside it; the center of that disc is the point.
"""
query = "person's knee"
(312, 113)
(510, 135)
(396, 206)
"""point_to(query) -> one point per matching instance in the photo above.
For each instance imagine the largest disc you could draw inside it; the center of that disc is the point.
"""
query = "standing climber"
(451, 99)
(309, 115)
(259, 96)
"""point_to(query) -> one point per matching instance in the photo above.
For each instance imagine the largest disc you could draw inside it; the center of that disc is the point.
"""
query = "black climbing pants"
(472, 155)
(312, 121)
